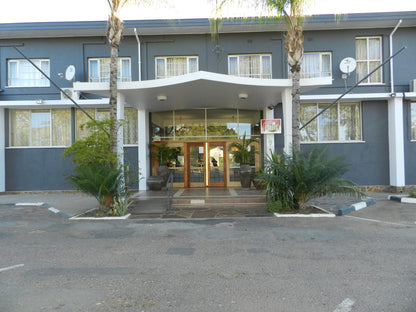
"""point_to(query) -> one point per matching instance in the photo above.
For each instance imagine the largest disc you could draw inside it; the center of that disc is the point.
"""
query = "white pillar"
(143, 148)
(2, 151)
(120, 133)
(269, 145)
(396, 142)
(287, 119)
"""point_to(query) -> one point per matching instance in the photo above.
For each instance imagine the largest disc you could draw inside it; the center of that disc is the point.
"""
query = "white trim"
(2, 151)
(396, 142)
(287, 119)
(143, 148)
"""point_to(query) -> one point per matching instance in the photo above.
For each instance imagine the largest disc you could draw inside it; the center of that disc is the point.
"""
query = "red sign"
(271, 126)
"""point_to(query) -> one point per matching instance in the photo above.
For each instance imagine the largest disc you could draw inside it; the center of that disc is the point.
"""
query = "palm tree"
(292, 12)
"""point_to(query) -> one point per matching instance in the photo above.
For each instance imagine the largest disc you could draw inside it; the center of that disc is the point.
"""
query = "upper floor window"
(129, 126)
(23, 74)
(413, 121)
(250, 65)
(170, 66)
(368, 56)
(99, 69)
(341, 122)
(40, 127)
(316, 65)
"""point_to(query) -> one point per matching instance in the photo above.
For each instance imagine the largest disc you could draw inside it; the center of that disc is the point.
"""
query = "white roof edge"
(350, 96)
(52, 103)
(200, 75)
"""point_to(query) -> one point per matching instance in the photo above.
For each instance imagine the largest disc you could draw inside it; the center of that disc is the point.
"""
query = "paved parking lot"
(360, 262)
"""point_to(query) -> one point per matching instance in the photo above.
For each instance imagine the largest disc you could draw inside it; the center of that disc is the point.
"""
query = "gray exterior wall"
(409, 148)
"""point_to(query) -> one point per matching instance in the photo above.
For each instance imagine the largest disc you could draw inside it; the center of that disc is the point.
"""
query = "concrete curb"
(354, 207)
(47, 206)
(403, 199)
(324, 214)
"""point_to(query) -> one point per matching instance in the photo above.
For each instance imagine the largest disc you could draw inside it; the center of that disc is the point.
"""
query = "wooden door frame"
(224, 145)
(187, 167)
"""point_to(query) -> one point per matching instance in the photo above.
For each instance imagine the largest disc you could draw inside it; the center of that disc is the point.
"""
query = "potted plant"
(243, 152)
(164, 155)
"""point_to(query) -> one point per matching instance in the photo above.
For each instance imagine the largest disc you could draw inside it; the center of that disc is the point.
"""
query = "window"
(341, 122)
(413, 121)
(250, 65)
(316, 65)
(23, 74)
(368, 56)
(129, 127)
(171, 66)
(40, 127)
(99, 69)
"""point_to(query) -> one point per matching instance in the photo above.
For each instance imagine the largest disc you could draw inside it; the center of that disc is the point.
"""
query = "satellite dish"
(70, 72)
(347, 65)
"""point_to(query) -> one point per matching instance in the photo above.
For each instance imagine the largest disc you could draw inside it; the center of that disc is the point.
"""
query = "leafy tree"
(293, 180)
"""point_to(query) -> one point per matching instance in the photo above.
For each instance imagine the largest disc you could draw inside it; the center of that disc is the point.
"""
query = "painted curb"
(403, 199)
(44, 205)
(325, 214)
(355, 207)
(125, 217)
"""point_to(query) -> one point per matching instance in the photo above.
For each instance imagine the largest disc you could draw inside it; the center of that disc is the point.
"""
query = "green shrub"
(295, 179)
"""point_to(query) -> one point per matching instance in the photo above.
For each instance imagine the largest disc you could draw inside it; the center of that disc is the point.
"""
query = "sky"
(92, 10)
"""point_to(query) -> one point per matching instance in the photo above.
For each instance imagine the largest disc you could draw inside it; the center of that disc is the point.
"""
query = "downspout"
(139, 54)
(391, 53)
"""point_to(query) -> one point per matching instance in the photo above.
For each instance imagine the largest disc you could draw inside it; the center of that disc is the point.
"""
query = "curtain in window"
(40, 128)
(328, 123)
(160, 69)
(266, 67)
(94, 75)
(233, 66)
(310, 132)
(80, 119)
(413, 120)
(20, 127)
(349, 122)
(24, 74)
(130, 126)
(310, 65)
(244, 66)
(193, 64)
(61, 127)
(125, 70)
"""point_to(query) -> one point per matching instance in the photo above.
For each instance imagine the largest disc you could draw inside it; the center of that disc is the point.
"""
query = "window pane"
(162, 125)
(349, 122)
(102, 114)
(222, 123)
(361, 71)
(193, 64)
(361, 49)
(24, 74)
(248, 123)
(374, 49)
(160, 68)
(375, 77)
(413, 120)
(20, 127)
(125, 72)
(267, 67)
(310, 65)
(328, 123)
(326, 64)
(40, 128)
(104, 70)
(130, 126)
(93, 74)
(80, 119)
(190, 123)
(61, 127)
(232, 66)
(309, 133)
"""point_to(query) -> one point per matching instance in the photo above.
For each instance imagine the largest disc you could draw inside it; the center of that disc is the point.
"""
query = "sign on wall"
(271, 126)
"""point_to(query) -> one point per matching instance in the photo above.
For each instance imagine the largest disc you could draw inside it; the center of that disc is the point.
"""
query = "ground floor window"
(340, 123)
(413, 121)
(40, 127)
(129, 126)
(205, 124)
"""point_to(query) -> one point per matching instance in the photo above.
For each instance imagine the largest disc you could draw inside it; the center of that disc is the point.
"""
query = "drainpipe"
(139, 54)
(391, 62)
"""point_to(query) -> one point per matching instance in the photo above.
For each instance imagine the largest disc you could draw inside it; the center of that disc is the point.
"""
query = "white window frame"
(165, 60)
(258, 75)
(39, 77)
(121, 76)
(368, 60)
(322, 74)
(30, 131)
(338, 122)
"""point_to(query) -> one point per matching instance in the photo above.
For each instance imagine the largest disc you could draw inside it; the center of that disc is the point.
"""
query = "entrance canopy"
(201, 90)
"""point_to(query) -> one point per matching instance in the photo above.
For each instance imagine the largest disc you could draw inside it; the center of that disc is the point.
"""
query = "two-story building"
(178, 86)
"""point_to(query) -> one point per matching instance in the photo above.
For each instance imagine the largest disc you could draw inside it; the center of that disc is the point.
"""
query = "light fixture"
(39, 101)
(243, 96)
(162, 98)
(61, 75)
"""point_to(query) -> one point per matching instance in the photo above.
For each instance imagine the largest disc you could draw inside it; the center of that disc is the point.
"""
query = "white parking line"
(345, 306)
(11, 267)
(378, 221)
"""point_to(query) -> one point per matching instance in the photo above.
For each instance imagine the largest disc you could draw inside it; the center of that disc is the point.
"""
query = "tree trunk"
(296, 109)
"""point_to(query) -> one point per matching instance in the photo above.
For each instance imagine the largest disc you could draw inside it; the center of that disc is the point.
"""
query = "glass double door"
(205, 164)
